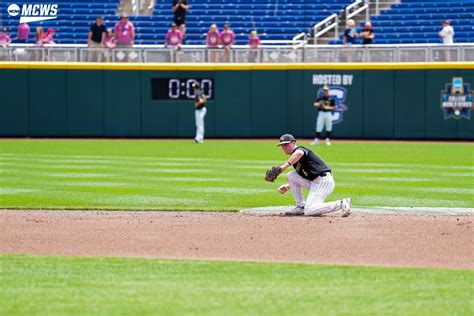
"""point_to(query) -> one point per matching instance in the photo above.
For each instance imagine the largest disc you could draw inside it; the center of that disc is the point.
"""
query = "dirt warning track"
(405, 240)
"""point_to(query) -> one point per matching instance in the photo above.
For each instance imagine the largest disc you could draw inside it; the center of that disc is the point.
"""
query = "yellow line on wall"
(236, 67)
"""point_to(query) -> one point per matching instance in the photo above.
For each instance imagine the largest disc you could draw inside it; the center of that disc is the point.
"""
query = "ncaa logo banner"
(33, 12)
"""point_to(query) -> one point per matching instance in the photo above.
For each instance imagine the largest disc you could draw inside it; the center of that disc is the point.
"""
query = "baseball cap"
(447, 22)
(285, 139)
(325, 88)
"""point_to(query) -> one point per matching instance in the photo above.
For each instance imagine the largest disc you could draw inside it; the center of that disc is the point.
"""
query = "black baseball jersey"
(199, 95)
(310, 166)
(327, 101)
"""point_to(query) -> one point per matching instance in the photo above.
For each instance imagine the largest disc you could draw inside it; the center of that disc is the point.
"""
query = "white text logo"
(34, 12)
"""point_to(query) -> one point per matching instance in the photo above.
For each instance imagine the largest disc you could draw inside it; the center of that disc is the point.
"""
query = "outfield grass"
(112, 286)
(222, 175)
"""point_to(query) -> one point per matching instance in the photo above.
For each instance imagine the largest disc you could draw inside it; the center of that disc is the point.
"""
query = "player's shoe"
(296, 211)
(328, 142)
(346, 205)
(315, 142)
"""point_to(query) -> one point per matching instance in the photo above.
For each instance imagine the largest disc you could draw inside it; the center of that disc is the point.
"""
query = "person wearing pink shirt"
(109, 39)
(227, 39)
(4, 44)
(124, 32)
(109, 43)
(49, 37)
(212, 42)
(173, 40)
(4, 38)
(254, 42)
(174, 37)
(23, 33)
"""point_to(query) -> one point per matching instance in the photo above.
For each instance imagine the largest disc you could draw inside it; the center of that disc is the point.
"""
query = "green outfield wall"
(376, 101)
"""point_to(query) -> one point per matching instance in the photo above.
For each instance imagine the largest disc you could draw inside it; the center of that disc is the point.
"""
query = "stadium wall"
(86, 100)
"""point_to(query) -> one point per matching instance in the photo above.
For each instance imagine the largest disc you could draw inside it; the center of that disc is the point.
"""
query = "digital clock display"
(180, 88)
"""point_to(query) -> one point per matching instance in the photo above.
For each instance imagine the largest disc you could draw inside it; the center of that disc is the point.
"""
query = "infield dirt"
(428, 241)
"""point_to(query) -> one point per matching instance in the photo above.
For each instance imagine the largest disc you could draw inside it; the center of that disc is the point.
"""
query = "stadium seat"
(278, 20)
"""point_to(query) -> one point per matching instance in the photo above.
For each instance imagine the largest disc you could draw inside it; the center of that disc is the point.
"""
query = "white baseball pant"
(319, 189)
(199, 115)
(324, 120)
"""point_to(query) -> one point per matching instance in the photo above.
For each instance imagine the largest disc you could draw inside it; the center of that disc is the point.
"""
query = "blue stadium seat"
(418, 21)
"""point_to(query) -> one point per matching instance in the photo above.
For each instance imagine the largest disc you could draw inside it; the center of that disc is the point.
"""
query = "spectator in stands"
(23, 33)
(173, 40)
(254, 42)
(227, 39)
(180, 8)
(447, 33)
(367, 34)
(39, 35)
(350, 33)
(39, 41)
(49, 37)
(109, 39)
(4, 44)
(109, 43)
(95, 39)
(124, 32)
(174, 37)
(212, 42)
(4, 38)
(348, 38)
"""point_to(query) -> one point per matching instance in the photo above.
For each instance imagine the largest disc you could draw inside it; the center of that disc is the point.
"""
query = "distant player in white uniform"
(326, 104)
(315, 175)
(200, 112)
(447, 33)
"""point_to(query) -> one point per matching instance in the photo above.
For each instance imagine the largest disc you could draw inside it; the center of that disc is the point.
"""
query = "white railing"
(329, 23)
(356, 8)
(284, 53)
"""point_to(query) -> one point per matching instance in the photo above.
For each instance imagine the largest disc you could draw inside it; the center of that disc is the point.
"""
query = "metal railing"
(356, 8)
(329, 23)
(243, 54)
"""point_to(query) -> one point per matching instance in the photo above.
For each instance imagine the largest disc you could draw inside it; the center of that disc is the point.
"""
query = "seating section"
(274, 20)
(417, 21)
(411, 21)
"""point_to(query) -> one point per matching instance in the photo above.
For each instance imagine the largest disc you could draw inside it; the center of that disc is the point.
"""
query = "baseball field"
(153, 227)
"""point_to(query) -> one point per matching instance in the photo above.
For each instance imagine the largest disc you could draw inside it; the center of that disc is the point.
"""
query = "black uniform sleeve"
(304, 150)
(333, 102)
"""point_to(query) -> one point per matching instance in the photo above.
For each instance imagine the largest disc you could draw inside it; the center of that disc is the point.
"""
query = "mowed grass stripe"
(239, 163)
(115, 286)
(219, 172)
(33, 170)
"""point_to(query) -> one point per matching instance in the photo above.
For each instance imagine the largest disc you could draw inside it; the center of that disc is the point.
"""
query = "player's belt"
(324, 174)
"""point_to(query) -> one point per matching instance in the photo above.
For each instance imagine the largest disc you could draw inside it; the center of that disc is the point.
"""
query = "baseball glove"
(272, 173)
